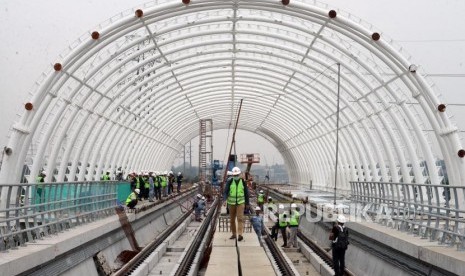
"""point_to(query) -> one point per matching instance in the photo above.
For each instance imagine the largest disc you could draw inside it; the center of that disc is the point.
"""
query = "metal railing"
(436, 212)
(34, 211)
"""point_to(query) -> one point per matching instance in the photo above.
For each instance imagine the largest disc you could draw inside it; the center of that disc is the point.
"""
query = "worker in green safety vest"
(131, 201)
(293, 225)
(164, 183)
(157, 185)
(106, 176)
(236, 195)
(40, 187)
(282, 223)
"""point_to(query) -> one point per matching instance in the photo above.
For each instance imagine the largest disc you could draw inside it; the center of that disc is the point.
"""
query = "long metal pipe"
(232, 144)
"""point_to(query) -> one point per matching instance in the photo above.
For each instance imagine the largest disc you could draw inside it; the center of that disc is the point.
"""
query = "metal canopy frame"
(130, 94)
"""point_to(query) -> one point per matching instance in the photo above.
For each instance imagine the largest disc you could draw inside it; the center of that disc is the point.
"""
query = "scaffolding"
(205, 148)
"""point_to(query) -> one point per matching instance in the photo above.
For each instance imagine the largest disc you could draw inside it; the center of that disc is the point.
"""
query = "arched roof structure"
(130, 94)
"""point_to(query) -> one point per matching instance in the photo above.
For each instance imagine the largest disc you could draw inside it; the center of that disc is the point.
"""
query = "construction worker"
(131, 201)
(141, 186)
(179, 181)
(257, 223)
(200, 206)
(282, 223)
(106, 176)
(171, 180)
(236, 195)
(40, 186)
(164, 183)
(293, 225)
(261, 199)
(146, 186)
(151, 186)
(157, 186)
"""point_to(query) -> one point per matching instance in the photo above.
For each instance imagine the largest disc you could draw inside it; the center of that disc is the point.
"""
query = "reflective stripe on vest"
(261, 198)
(282, 221)
(236, 193)
(294, 221)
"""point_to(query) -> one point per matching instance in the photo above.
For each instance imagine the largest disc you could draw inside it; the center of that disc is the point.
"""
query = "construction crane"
(249, 159)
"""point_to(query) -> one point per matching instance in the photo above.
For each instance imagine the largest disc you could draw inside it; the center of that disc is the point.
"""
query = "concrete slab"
(223, 261)
(250, 239)
(222, 239)
(254, 261)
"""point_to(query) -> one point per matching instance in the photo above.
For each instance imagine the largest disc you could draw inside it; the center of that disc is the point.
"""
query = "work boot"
(240, 238)
(232, 237)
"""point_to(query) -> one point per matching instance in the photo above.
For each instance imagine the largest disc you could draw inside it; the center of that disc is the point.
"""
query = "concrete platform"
(223, 261)
(225, 257)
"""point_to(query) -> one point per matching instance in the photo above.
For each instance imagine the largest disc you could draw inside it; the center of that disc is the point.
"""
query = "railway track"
(382, 251)
(192, 254)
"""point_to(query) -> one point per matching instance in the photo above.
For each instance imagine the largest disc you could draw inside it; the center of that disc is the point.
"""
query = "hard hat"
(171, 172)
(293, 205)
(203, 197)
(270, 198)
(179, 173)
(281, 206)
(341, 219)
(137, 191)
(165, 173)
(43, 172)
(236, 171)
(108, 171)
(199, 196)
(294, 196)
(257, 208)
(261, 191)
(229, 173)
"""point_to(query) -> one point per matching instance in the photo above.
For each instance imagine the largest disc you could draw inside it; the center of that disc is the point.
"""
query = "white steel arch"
(130, 94)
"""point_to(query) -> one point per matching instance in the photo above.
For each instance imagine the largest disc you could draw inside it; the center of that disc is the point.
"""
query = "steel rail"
(384, 252)
(152, 246)
(186, 263)
(278, 256)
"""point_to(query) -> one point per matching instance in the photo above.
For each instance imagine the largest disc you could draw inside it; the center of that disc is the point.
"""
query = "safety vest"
(137, 183)
(236, 193)
(261, 198)
(163, 181)
(294, 221)
(40, 180)
(157, 181)
(105, 177)
(282, 221)
(146, 183)
(131, 197)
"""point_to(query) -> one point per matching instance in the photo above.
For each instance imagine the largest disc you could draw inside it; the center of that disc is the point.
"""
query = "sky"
(34, 33)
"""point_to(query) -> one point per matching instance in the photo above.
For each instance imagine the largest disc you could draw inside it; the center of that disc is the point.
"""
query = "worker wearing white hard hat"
(40, 186)
(236, 195)
(179, 179)
(257, 223)
(293, 225)
(340, 237)
(283, 219)
(199, 206)
(131, 201)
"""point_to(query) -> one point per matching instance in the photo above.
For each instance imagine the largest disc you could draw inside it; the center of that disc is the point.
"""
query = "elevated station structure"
(130, 94)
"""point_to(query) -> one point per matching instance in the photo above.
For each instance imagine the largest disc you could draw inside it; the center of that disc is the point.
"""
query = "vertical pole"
(233, 141)
(184, 158)
(337, 130)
